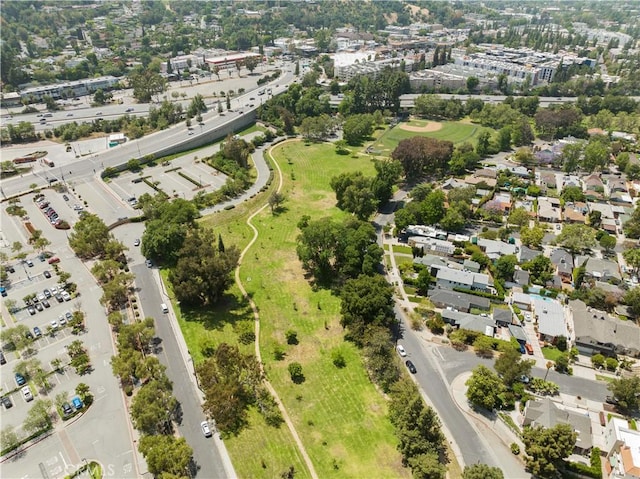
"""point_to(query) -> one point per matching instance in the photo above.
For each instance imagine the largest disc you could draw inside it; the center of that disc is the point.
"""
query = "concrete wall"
(196, 141)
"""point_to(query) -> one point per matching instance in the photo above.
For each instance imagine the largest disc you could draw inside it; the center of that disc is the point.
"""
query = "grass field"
(339, 414)
(453, 131)
(551, 353)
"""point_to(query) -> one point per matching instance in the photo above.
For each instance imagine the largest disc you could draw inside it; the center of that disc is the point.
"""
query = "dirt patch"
(431, 126)
(416, 10)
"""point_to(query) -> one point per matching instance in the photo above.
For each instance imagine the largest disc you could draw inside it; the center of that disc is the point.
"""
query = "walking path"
(256, 316)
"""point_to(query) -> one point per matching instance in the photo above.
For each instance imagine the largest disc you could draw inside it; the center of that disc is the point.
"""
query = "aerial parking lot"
(182, 177)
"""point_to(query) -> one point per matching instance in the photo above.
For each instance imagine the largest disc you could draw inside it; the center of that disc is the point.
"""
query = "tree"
(354, 194)
(484, 388)
(89, 237)
(39, 416)
(100, 97)
(357, 128)
(453, 221)
(202, 273)
(608, 242)
(427, 466)
(571, 155)
(577, 238)
(506, 266)
(146, 83)
(546, 449)
(572, 194)
(596, 156)
(251, 63)
(632, 257)
(598, 361)
(472, 83)
(166, 456)
(295, 371)
(152, 408)
(275, 200)
(595, 219)
(632, 299)
(8, 439)
(511, 367)
(562, 363)
(423, 281)
(482, 471)
(532, 237)
(627, 392)
(366, 301)
(632, 226)
(422, 154)
(519, 217)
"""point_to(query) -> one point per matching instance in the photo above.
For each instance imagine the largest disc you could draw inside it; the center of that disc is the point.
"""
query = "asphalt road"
(206, 456)
(87, 167)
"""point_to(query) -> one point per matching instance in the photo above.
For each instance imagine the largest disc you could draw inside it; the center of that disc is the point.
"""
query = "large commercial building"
(68, 89)
(371, 68)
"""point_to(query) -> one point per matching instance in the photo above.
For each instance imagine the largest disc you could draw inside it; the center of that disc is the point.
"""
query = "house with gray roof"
(431, 245)
(598, 332)
(517, 332)
(471, 266)
(496, 249)
(521, 300)
(450, 278)
(550, 317)
(473, 322)
(521, 277)
(502, 317)
(527, 254)
(432, 262)
(600, 269)
(446, 298)
(548, 414)
(563, 261)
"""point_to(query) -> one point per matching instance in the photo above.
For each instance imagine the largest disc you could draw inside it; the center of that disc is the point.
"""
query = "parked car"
(611, 400)
(26, 394)
(29, 263)
(47, 274)
(31, 310)
(204, 425)
(39, 307)
(411, 367)
(37, 332)
(136, 242)
(149, 263)
(47, 293)
(11, 269)
(54, 324)
(20, 379)
(66, 409)
(401, 350)
(54, 260)
(45, 303)
(41, 296)
(66, 296)
(77, 402)
(65, 197)
(6, 402)
(59, 298)
(3, 360)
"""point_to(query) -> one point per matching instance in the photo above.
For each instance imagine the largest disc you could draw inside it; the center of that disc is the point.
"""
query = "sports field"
(457, 132)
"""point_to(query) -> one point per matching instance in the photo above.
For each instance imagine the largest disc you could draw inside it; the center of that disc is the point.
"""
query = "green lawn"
(551, 353)
(453, 131)
(340, 416)
(397, 248)
(402, 259)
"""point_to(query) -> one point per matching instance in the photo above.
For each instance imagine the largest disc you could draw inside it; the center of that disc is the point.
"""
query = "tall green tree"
(482, 471)
(577, 238)
(484, 388)
(546, 449)
(627, 392)
(166, 456)
(511, 367)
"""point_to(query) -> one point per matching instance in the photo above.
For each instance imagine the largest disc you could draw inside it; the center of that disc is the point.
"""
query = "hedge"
(583, 469)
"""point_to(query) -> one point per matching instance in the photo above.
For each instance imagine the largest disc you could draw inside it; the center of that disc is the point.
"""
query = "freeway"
(87, 167)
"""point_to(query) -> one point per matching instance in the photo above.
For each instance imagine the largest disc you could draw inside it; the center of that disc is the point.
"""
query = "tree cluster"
(334, 251)
(421, 155)
(417, 426)
(232, 382)
(546, 449)
(91, 238)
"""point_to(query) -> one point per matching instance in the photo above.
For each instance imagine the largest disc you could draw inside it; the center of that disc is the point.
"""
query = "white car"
(26, 393)
(54, 324)
(401, 350)
(66, 296)
(204, 425)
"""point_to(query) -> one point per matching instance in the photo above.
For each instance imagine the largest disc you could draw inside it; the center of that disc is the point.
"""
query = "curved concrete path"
(256, 316)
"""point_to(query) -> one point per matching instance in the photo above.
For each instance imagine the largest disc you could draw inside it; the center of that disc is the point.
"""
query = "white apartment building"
(623, 450)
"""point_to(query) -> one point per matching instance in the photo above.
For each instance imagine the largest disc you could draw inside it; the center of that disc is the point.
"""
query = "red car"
(54, 260)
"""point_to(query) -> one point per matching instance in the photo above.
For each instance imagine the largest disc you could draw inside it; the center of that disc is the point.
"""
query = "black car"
(411, 367)
(611, 400)
(47, 274)
(66, 409)
(39, 307)
(65, 197)
(3, 360)
(6, 402)
(59, 298)
(46, 303)
(11, 269)
(31, 310)
(28, 335)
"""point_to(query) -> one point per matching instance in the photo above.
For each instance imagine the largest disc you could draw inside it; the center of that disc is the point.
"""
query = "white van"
(164, 308)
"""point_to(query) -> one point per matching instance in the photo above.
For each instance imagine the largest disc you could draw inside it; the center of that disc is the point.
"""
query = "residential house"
(575, 212)
(431, 245)
(521, 277)
(600, 269)
(550, 317)
(496, 249)
(598, 332)
(427, 231)
(571, 180)
(618, 191)
(518, 332)
(526, 254)
(452, 184)
(622, 448)
(502, 317)
(548, 179)
(609, 226)
(521, 300)
(563, 261)
(549, 210)
(472, 266)
(594, 187)
(474, 180)
(473, 322)
(432, 262)
(606, 211)
(501, 202)
(486, 173)
(548, 414)
(446, 298)
(450, 278)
